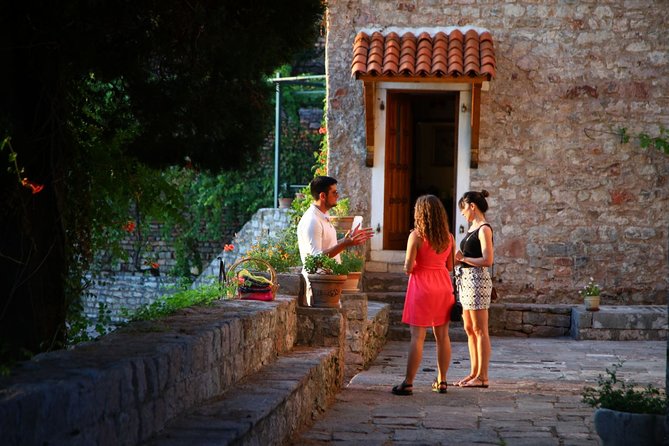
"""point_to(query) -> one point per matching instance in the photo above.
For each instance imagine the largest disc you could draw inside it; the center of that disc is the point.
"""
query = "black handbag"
(456, 309)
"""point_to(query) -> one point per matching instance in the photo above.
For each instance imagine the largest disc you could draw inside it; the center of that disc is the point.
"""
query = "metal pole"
(277, 138)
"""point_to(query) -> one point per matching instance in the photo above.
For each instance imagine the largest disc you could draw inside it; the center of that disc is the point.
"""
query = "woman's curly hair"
(432, 222)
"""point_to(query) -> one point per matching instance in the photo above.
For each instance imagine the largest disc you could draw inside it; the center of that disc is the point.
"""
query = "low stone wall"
(125, 387)
(530, 320)
(620, 323)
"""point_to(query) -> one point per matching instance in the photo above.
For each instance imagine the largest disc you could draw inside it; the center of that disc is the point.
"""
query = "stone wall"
(132, 290)
(124, 290)
(568, 199)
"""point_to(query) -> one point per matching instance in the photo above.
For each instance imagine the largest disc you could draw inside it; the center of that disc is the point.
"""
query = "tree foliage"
(94, 96)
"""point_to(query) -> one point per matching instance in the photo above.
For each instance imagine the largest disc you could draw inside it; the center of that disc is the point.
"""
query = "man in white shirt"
(315, 233)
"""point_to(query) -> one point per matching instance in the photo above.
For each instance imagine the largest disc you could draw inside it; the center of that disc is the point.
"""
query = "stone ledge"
(620, 322)
(267, 408)
(129, 384)
(367, 328)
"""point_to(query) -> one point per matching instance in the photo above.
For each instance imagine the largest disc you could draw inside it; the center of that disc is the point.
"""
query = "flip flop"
(403, 389)
(476, 382)
(439, 386)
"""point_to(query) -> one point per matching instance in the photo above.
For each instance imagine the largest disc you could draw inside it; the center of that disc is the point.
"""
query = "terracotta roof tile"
(438, 55)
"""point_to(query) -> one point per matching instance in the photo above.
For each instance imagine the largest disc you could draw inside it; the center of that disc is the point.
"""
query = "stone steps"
(266, 408)
(621, 322)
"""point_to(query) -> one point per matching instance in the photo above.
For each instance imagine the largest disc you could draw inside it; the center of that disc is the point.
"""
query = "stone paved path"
(533, 399)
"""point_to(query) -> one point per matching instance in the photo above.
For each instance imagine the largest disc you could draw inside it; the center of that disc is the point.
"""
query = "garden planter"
(326, 290)
(342, 224)
(591, 303)
(624, 428)
(285, 203)
(352, 282)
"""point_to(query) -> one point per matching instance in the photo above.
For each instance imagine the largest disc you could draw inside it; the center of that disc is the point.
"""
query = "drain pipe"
(277, 138)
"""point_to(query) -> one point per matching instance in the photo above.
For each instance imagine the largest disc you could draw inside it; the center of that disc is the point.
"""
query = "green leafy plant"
(323, 264)
(353, 261)
(165, 305)
(615, 393)
(591, 289)
(660, 142)
(342, 209)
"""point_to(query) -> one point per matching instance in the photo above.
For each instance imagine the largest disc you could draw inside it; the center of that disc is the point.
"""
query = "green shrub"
(624, 396)
(323, 264)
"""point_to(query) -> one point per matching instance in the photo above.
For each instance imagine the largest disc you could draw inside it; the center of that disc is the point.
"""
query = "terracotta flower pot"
(284, 203)
(352, 282)
(326, 290)
(591, 303)
(342, 224)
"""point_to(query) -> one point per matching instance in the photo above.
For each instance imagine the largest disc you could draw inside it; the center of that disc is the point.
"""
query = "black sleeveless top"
(471, 245)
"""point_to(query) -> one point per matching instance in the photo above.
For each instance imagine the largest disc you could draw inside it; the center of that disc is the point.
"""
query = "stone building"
(537, 123)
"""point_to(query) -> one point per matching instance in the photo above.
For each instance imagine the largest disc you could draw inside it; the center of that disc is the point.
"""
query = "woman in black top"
(475, 285)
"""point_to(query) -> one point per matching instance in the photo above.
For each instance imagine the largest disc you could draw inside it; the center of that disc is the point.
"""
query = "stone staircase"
(390, 288)
(613, 322)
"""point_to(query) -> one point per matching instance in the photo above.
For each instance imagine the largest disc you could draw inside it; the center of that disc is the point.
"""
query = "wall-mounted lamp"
(382, 106)
(464, 108)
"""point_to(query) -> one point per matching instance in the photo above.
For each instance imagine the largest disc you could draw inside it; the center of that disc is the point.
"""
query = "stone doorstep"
(265, 408)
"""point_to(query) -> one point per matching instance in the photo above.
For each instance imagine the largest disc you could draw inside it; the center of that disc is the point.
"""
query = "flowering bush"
(280, 253)
(591, 289)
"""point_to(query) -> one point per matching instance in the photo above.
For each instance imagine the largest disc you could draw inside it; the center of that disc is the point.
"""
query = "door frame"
(378, 170)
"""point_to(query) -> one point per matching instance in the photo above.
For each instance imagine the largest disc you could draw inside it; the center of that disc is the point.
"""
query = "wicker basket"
(265, 295)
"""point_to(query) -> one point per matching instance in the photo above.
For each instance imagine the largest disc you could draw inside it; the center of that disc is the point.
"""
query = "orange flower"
(36, 188)
(229, 247)
(322, 131)
(129, 226)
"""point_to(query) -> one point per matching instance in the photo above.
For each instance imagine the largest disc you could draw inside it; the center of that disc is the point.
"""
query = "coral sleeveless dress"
(429, 294)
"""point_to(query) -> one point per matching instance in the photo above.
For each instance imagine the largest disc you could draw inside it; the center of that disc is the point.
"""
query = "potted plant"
(327, 277)
(285, 196)
(353, 261)
(626, 412)
(339, 216)
(591, 295)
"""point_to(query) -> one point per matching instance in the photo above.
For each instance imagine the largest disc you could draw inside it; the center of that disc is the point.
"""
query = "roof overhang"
(436, 55)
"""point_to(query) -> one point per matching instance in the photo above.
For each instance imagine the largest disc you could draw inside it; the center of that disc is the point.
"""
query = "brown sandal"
(463, 380)
(476, 382)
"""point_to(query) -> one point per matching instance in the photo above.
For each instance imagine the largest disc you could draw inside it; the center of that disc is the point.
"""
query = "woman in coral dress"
(429, 296)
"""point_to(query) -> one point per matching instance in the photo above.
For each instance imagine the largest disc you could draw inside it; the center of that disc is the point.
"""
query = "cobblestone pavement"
(534, 396)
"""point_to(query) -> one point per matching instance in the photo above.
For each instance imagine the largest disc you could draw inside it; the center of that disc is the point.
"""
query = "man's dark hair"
(320, 184)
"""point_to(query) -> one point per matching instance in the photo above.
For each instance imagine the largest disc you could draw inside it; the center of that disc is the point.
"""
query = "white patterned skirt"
(474, 287)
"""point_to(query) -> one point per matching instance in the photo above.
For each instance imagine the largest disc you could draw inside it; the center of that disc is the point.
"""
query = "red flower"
(36, 188)
(129, 226)
(229, 247)
(322, 131)
(154, 265)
